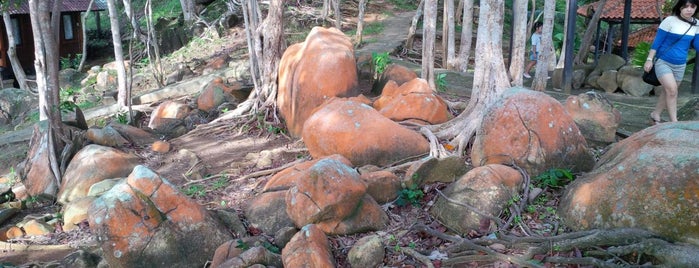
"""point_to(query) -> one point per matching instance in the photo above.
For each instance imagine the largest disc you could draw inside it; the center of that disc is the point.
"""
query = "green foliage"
(242, 245)
(272, 248)
(262, 124)
(379, 61)
(195, 190)
(640, 53)
(411, 195)
(554, 178)
(66, 96)
(405, 5)
(70, 61)
(220, 183)
(33, 116)
(122, 117)
(442, 82)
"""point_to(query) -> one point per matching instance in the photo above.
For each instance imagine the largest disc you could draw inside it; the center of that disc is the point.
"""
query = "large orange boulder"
(360, 134)
(595, 116)
(531, 130)
(649, 180)
(332, 195)
(308, 248)
(399, 74)
(145, 221)
(413, 101)
(487, 189)
(92, 164)
(311, 72)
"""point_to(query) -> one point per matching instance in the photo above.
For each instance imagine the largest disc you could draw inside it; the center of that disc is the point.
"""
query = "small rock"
(35, 227)
(161, 147)
(367, 252)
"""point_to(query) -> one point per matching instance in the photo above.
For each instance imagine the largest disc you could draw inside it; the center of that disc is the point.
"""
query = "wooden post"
(570, 42)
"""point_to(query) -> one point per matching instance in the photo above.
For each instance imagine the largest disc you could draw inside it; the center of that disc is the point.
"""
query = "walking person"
(672, 42)
(535, 49)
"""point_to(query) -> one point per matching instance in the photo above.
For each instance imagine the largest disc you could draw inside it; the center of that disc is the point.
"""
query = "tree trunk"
(519, 41)
(152, 42)
(338, 15)
(460, 9)
(360, 23)
(413, 25)
(44, 31)
(135, 25)
(82, 20)
(325, 11)
(17, 69)
(489, 80)
(589, 34)
(448, 31)
(428, 39)
(118, 53)
(188, 10)
(466, 36)
(542, 66)
(264, 73)
(272, 32)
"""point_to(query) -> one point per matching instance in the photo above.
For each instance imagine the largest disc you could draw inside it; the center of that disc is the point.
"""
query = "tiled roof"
(641, 10)
(66, 6)
(645, 34)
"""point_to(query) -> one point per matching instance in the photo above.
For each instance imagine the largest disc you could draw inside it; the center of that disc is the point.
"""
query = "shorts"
(534, 56)
(663, 67)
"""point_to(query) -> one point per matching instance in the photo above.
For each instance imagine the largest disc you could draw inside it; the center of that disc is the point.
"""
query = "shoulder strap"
(678, 39)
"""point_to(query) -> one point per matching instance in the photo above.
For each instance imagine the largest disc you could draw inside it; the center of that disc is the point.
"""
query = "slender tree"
(466, 35)
(338, 14)
(589, 34)
(428, 40)
(448, 38)
(489, 81)
(360, 23)
(17, 68)
(542, 67)
(413, 25)
(266, 45)
(152, 46)
(519, 41)
(188, 10)
(118, 52)
(83, 18)
(44, 31)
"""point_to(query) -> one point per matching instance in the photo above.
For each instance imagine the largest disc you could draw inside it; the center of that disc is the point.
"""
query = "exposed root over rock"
(620, 247)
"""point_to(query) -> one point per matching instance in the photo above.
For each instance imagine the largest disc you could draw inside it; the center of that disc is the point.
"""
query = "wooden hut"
(71, 38)
(614, 12)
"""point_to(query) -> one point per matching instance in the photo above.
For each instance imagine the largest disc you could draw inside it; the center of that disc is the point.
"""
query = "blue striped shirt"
(666, 45)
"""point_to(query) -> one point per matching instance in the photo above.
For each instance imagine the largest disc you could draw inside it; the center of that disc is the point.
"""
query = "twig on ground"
(251, 175)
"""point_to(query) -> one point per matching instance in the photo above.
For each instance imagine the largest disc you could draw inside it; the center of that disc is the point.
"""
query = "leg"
(659, 106)
(668, 96)
(529, 66)
(671, 98)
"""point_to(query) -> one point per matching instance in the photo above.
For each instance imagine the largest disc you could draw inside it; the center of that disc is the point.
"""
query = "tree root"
(621, 247)
(422, 258)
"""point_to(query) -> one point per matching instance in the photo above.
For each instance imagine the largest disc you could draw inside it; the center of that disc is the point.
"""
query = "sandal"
(654, 121)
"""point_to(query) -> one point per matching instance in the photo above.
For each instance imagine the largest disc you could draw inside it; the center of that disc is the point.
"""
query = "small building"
(70, 32)
(644, 12)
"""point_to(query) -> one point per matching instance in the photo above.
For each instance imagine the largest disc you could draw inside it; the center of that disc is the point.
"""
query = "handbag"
(650, 77)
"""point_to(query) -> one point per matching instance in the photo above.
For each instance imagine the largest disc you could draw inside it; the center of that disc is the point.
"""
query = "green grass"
(405, 5)
(369, 29)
